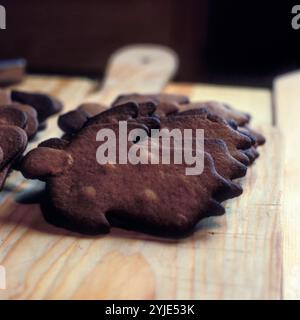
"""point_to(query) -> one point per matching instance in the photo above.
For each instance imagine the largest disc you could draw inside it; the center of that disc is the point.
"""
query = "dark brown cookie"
(4, 172)
(1, 156)
(220, 109)
(146, 109)
(128, 111)
(252, 154)
(89, 197)
(55, 143)
(150, 122)
(31, 126)
(156, 98)
(92, 108)
(73, 121)
(226, 166)
(167, 108)
(44, 104)
(114, 115)
(13, 141)
(259, 138)
(12, 117)
(214, 128)
(218, 150)
(166, 104)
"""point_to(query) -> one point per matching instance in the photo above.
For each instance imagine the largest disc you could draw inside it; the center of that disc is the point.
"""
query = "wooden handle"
(137, 68)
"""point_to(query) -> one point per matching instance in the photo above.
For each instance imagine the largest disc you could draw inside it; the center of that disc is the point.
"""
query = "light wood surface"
(236, 256)
(287, 103)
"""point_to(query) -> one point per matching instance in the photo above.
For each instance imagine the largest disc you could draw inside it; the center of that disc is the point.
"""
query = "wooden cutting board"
(236, 256)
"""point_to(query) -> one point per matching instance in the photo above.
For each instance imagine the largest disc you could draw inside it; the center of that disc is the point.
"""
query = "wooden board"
(287, 98)
(236, 256)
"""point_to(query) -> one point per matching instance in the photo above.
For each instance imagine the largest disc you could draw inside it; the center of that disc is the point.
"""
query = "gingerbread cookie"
(166, 104)
(90, 199)
(12, 117)
(71, 122)
(13, 140)
(31, 126)
(214, 128)
(258, 137)
(44, 104)
(226, 165)
(220, 109)
(92, 108)
(156, 98)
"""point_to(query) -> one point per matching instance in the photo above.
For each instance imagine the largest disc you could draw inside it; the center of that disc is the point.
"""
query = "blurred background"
(231, 42)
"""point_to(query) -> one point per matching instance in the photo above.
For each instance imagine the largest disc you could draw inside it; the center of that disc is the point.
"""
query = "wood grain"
(287, 97)
(236, 256)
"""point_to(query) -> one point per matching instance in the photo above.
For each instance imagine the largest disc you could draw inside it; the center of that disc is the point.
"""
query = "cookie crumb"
(150, 194)
(89, 191)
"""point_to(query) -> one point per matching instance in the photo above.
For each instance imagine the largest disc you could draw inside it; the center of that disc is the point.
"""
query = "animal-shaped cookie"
(92, 108)
(73, 121)
(238, 120)
(226, 165)
(90, 198)
(258, 137)
(166, 104)
(176, 104)
(32, 124)
(13, 139)
(214, 127)
(44, 104)
(156, 98)
(220, 109)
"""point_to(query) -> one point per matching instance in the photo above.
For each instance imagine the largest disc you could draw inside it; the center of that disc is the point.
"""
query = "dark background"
(234, 42)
